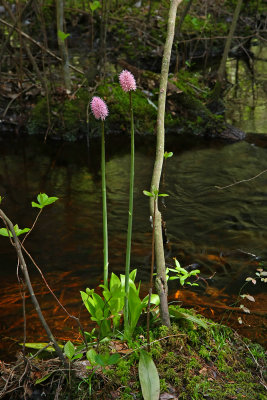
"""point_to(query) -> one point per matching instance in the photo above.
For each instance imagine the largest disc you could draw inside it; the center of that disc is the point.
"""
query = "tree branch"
(243, 180)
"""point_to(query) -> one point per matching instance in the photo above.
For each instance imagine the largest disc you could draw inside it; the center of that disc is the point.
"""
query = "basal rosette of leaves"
(107, 312)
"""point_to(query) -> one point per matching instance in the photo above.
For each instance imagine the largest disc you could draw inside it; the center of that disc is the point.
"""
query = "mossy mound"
(196, 359)
(70, 117)
(145, 113)
(197, 364)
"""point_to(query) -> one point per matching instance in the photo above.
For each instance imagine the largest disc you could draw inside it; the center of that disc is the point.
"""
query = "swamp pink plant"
(128, 84)
(100, 111)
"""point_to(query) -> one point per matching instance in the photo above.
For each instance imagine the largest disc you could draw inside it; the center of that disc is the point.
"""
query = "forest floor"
(196, 359)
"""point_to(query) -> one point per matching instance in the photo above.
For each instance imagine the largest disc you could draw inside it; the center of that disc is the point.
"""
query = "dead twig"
(242, 181)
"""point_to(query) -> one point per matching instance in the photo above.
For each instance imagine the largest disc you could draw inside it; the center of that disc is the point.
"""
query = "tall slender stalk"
(128, 84)
(104, 204)
(100, 111)
(130, 224)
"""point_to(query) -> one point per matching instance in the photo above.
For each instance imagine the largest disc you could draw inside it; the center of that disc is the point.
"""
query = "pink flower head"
(127, 81)
(99, 108)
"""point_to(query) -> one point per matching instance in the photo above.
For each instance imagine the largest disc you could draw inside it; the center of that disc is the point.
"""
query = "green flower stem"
(104, 203)
(130, 223)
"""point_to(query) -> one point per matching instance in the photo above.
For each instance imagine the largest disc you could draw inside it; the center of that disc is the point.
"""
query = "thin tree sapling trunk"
(161, 283)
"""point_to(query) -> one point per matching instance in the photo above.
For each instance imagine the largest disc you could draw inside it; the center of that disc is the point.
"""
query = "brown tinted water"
(223, 232)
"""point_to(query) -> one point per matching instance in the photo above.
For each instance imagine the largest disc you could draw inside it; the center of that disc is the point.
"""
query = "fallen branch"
(242, 181)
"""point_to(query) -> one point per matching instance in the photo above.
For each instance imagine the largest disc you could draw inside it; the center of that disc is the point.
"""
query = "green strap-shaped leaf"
(149, 377)
(39, 346)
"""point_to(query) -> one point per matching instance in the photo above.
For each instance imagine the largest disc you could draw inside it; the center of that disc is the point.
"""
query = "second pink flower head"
(99, 108)
(127, 81)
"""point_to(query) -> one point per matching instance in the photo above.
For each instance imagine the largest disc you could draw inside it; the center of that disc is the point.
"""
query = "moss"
(118, 101)
(156, 351)
(163, 385)
(122, 371)
(193, 364)
(67, 116)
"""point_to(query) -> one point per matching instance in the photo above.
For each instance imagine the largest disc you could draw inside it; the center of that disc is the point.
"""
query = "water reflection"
(218, 229)
(247, 97)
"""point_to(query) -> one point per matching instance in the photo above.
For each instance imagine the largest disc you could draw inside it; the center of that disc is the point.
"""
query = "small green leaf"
(36, 205)
(146, 193)
(4, 232)
(168, 155)
(95, 5)
(44, 200)
(149, 377)
(91, 355)
(113, 359)
(163, 195)
(18, 231)
(100, 360)
(62, 36)
(79, 355)
(69, 350)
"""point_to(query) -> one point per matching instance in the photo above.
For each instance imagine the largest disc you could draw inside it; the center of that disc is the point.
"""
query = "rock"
(232, 133)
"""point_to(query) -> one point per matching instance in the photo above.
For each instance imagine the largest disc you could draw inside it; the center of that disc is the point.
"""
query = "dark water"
(223, 231)
(246, 96)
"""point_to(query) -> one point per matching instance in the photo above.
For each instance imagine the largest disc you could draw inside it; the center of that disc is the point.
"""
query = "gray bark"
(161, 283)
